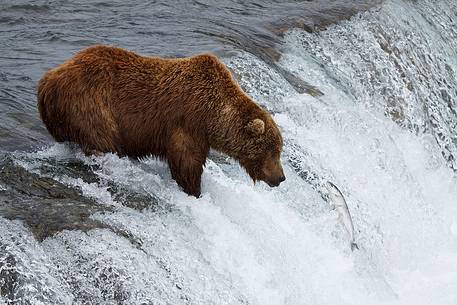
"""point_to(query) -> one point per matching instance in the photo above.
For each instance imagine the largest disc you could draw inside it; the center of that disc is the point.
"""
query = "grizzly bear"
(108, 99)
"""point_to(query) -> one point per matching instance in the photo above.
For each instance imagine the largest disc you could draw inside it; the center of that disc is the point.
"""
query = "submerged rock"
(8, 276)
(45, 205)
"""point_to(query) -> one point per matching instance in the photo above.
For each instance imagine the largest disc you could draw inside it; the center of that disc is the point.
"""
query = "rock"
(45, 205)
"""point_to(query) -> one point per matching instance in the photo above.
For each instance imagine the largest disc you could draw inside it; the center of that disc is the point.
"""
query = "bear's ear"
(256, 126)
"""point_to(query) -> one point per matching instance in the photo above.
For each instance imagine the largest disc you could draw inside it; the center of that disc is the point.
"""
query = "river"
(365, 94)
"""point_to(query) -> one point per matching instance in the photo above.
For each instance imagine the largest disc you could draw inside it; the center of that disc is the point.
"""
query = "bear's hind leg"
(97, 132)
(186, 158)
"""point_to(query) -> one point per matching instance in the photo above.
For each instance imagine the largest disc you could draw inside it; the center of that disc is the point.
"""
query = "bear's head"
(248, 132)
(262, 151)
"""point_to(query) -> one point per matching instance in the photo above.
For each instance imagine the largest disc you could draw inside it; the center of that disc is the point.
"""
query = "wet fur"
(111, 100)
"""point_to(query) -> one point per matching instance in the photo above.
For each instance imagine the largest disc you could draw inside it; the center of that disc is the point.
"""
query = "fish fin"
(354, 246)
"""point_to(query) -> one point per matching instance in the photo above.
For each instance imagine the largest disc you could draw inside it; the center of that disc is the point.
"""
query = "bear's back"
(109, 99)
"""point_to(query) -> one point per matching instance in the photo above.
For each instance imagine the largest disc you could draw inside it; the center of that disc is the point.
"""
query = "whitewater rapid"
(383, 132)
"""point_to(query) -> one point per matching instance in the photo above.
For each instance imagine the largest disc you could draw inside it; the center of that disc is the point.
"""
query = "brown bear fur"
(111, 100)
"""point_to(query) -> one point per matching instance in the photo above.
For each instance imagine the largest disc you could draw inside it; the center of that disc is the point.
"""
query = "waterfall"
(384, 131)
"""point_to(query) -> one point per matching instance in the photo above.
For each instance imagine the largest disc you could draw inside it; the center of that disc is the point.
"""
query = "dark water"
(38, 35)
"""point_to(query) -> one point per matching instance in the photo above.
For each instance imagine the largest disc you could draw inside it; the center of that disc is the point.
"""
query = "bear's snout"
(273, 173)
(275, 181)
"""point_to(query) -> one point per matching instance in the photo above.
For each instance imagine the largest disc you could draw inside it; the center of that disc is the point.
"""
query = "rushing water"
(105, 230)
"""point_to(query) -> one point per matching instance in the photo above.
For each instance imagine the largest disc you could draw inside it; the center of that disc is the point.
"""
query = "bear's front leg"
(186, 157)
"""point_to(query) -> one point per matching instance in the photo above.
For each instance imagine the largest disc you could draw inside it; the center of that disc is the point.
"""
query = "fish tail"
(354, 246)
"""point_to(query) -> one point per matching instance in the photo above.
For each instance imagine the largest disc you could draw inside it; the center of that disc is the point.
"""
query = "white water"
(246, 244)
